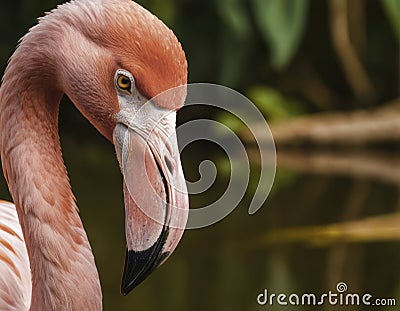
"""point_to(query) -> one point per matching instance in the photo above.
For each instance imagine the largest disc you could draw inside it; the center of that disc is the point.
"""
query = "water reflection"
(328, 219)
(371, 229)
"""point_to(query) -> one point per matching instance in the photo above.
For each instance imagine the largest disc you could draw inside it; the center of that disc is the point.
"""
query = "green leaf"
(230, 121)
(235, 16)
(232, 60)
(273, 104)
(282, 24)
(392, 8)
(233, 42)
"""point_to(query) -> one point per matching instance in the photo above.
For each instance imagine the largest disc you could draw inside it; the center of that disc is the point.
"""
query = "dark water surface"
(330, 218)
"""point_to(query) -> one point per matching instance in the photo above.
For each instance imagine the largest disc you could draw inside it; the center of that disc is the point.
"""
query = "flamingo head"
(132, 58)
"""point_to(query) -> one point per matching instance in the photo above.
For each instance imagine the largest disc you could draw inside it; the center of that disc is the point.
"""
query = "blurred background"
(325, 74)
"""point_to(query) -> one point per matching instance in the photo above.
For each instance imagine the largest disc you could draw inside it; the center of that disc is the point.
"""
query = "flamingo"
(111, 58)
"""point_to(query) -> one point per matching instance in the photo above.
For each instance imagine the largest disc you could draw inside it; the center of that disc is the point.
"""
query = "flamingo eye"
(124, 83)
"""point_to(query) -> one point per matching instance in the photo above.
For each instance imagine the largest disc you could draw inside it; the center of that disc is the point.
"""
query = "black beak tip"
(139, 265)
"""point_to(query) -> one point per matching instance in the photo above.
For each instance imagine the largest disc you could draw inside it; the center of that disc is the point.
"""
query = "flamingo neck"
(64, 274)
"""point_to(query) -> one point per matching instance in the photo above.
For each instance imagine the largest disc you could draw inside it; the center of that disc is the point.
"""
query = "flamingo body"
(15, 280)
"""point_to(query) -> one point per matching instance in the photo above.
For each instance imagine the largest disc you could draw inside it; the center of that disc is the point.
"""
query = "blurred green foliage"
(234, 14)
(274, 104)
(392, 8)
(282, 23)
(278, 52)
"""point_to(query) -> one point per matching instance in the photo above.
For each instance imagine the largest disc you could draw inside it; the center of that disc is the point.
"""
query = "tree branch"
(353, 129)
(352, 66)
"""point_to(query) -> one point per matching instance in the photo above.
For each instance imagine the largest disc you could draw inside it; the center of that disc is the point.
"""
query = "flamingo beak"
(155, 197)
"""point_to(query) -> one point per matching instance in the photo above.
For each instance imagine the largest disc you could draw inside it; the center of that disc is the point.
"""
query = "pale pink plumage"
(15, 280)
(74, 50)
